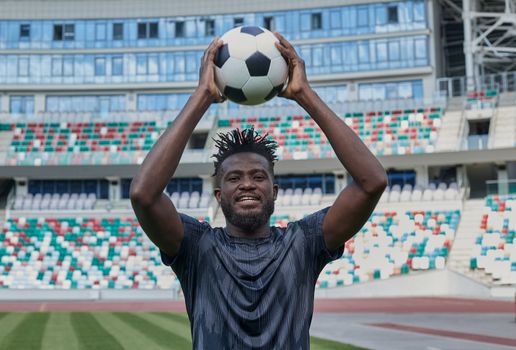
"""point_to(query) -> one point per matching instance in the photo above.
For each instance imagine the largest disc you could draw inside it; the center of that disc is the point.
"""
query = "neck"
(235, 231)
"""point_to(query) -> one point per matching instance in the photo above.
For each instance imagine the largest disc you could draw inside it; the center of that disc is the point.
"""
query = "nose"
(247, 183)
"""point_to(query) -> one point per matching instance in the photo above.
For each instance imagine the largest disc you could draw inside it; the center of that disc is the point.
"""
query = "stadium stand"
(81, 143)
(47, 201)
(482, 99)
(386, 133)
(394, 243)
(495, 248)
(107, 252)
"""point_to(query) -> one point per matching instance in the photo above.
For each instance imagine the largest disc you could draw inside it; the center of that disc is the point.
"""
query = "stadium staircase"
(504, 128)
(467, 233)
(507, 99)
(455, 104)
(5, 143)
(450, 131)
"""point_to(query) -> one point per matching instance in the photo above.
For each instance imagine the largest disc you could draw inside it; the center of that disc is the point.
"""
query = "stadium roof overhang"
(282, 167)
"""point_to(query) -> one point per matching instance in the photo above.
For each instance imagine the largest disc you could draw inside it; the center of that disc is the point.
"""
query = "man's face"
(246, 193)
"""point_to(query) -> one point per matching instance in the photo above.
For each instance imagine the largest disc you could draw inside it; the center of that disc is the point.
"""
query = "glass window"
(57, 66)
(118, 31)
(180, 29)
(419, 11)
(21, 105)
(363, 16)
(317, 56)
(405, 90)
(391, 90)
(305, 22)
(336, 55)
(148, 30)
(58, 32)
(238, 21)
(179, 63)
(335, 19)
(23, 66)
(117, 66)
(68, 66)
(69, 32)
(268, 23)
(378, 92)
(417, 89)
(381, 51)
(141, 64)
(152, 62)
(381, 15)
(363, 52)
(316, 21)
(142, 30)
(209, 27)
(100, 31)
(24, 31)
(420, 48)
(153, 30)
(392, 14)
(100, 66)
(394, 50)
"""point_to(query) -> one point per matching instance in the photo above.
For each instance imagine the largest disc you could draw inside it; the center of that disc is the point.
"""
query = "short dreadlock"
(247, 140)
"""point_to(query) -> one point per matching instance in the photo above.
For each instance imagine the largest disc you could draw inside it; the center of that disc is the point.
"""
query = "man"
(249, 285)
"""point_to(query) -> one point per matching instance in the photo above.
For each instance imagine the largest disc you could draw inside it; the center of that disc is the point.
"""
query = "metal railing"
(457, 86)
(501, 187)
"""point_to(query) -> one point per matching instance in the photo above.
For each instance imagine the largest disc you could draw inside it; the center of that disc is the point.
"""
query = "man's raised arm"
(357, 201)
(154, 210)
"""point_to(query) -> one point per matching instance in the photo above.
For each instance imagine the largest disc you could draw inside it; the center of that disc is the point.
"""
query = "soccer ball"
(249, 68)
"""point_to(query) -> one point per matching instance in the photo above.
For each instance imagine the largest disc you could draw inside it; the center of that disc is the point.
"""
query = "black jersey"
(244, 293)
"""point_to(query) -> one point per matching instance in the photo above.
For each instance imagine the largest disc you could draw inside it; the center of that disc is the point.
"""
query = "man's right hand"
(207, 73)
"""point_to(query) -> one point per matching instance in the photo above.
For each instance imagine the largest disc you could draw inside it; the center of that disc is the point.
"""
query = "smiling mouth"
(247, 199)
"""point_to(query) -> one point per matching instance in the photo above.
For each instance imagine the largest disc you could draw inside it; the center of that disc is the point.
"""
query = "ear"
(275, 189)
(217, 194)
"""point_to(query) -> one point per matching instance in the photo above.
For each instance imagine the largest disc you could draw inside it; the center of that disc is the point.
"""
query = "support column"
(503, 179)
(4, 103)
(422, 175)
(115, 193)
(39, 103)
(131, 102)
(341, 180)
(468, 48)
(22, 186)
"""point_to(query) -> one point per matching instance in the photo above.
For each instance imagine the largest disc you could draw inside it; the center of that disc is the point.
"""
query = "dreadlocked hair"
(247, 140)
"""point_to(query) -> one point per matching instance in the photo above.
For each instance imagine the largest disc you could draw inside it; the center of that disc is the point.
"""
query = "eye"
(233, 178)
(259, 177)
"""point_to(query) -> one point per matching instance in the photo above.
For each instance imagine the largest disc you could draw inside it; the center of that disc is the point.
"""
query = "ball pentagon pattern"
(249, 69)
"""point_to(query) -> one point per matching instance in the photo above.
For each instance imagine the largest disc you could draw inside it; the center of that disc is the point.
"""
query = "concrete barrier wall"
(428, 283)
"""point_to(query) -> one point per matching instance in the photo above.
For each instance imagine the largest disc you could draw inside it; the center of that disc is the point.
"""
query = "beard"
(247, 221)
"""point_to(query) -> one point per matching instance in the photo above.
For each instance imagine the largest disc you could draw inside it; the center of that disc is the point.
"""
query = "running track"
(355, 305)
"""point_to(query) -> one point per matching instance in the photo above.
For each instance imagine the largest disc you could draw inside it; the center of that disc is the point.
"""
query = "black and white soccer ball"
(249, 68)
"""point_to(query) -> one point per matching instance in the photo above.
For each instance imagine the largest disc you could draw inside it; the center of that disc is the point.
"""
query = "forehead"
(244, 161)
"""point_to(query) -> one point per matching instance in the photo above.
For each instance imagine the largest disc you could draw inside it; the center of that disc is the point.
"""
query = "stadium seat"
(495, 248)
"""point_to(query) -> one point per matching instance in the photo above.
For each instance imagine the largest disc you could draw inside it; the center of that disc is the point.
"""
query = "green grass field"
(105, 331)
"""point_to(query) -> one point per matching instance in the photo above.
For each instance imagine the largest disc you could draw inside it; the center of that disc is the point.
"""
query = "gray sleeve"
(316, 246)
(186, 259)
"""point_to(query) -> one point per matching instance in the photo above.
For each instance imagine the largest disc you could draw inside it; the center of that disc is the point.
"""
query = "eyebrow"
(240, 172)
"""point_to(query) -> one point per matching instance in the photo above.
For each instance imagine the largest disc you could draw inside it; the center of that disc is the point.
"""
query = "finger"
(283, 41)
(212, 51)
(283, 51)
(214, 43)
